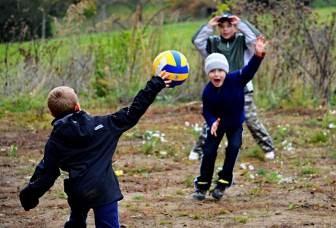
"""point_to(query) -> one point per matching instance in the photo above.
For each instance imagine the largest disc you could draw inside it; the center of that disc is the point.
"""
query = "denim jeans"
(105, 216)
(210, 147)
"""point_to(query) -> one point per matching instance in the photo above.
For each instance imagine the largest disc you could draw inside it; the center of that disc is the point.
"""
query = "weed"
(12, 150)
(140, 170)
(189, 181)
(308, 170)
(255, 152)
(179, 193)
(138, 197)
(281, 133)
(241, 219)
(329, 121)
(319, 137)
(292, 206)
(152, 140)
(258, 191)
(269, 176)
(61, 194)
(165, 222)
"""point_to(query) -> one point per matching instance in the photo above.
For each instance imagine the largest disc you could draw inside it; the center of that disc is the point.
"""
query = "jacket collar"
(65, 115)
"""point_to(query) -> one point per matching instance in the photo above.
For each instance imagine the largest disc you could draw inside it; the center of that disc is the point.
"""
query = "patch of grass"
(258, 191)
(319, 137)
(255, 152)
(179, 193)
(281, 133)
(61, 194)
(292, 206)
(165, 222)
(312, 122)
(139, 197)
(12, 151)
(139, 170)
(241, 219)
(189, 181)
(329, 121)
(22, 103)
(269, 176)
(333, 154)
(309, 170)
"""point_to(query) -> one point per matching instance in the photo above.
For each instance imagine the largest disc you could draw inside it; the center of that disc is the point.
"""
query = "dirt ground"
(297, 189)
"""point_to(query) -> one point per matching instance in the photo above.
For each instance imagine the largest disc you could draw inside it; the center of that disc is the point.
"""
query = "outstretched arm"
(127, 117)
(247, 72)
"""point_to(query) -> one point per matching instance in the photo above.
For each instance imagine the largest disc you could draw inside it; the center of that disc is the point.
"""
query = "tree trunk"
(44, 21)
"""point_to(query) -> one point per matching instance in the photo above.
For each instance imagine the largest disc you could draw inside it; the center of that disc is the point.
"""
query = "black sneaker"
(199, 195)
(218, 193)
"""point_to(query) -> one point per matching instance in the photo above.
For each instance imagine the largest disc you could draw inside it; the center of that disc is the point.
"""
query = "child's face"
(217, 77)
(226, 29)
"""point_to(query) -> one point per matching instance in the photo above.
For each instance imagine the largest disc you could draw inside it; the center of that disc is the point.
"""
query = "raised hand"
(234, 20)
(164, 75)
(214, 21)
(260, 46)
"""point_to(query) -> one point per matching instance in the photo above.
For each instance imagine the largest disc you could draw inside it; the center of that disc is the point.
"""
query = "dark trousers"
(210, 147)
(106, 216)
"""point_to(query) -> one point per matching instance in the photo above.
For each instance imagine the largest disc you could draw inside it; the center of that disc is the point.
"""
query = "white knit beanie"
(216, 61)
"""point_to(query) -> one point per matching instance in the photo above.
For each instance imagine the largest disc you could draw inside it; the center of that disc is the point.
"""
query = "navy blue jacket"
(83, 146)
(227, 102)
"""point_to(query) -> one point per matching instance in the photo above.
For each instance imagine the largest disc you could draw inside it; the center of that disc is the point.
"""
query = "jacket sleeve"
(46, 172)
(209, 118)
(250, 33)
(247, 72)
(127, 117)
(206, 112)
(200, 39)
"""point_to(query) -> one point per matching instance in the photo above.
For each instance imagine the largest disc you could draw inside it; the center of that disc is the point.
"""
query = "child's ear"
(77, 107)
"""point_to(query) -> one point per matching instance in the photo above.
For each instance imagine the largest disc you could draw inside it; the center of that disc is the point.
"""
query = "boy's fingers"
(164, 74)
(168, 82)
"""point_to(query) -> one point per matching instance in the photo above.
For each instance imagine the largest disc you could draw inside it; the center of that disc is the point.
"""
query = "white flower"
(243, 166)
(251, 167)
(331, 126)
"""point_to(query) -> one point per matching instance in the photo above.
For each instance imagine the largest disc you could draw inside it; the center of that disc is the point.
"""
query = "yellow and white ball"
(173, 62)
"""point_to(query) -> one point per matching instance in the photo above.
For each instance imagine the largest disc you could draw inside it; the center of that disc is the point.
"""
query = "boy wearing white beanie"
(236, 40)
(223, 110)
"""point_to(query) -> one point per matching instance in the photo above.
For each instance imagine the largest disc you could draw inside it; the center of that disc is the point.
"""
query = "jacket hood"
(74, 127)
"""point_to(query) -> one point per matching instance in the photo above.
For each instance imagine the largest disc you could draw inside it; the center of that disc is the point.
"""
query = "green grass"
(309, 170)
(111, 64)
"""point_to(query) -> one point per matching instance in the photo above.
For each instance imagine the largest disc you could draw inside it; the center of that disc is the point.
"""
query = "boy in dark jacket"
(83, 146)
(223, 110)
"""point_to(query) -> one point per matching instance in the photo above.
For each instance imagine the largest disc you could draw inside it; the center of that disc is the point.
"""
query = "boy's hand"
(214, 21)
(234, 20)
(164, 75)
(260, 46)
(214, 127)
(27, 201)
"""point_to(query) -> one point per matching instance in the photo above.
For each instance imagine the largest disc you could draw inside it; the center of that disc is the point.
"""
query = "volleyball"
(173, 62)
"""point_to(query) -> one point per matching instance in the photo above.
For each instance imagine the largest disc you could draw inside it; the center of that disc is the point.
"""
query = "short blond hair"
(62, 100)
